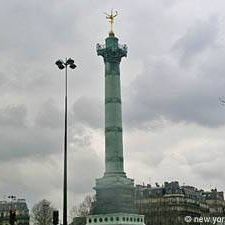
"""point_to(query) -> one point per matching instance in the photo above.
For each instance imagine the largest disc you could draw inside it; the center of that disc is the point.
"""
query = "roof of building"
(173, 188)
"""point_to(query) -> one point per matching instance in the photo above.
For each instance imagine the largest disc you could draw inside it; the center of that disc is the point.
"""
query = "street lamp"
(12, 199)
(63, 65)
(12, 211)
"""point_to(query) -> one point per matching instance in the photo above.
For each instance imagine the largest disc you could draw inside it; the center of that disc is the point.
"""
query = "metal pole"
(63, 65)
(65, 156)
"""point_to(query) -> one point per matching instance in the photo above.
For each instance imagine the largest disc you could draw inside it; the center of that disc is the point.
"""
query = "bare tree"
(84, 208)
(41, 213)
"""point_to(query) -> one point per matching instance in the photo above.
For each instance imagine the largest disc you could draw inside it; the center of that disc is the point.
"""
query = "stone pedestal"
(114, 194)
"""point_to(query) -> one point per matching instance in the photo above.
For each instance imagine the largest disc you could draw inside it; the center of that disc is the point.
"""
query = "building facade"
(172, 204)
(21, 209)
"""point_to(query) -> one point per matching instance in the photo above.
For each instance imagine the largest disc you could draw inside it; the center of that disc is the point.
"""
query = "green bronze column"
(114, 191)
(112, 53)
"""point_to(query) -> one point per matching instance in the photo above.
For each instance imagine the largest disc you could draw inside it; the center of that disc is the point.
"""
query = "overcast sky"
(174, 125)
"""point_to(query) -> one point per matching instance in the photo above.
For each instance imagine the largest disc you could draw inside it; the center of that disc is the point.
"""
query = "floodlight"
(70, 61)
(59, 63)
(73, 66)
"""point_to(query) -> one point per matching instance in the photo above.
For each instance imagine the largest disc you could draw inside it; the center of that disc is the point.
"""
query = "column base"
(114, 194)
(115, 219)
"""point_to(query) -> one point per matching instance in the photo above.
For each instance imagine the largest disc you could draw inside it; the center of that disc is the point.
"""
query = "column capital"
(112, 51)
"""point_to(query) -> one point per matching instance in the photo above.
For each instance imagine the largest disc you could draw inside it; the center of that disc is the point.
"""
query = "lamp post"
(12, 199)
(63, 65)
(12, 211)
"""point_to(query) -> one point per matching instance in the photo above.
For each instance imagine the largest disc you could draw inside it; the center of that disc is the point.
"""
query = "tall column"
(112, 53)
(114, 191)
(114, 203)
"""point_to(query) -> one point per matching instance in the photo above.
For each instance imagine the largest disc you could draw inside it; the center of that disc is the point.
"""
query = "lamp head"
(70, 61)
(73, 66)
(60, 64)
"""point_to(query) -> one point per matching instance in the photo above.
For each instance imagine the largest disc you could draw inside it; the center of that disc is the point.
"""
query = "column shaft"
(113, 119)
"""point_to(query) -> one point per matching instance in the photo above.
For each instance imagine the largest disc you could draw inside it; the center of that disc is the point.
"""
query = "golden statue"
(111, 17)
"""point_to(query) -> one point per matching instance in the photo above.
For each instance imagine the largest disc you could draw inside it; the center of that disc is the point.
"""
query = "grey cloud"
(197, 39)
(85, 167)
(210, 171)
(169, 3)
(20, 139)
(3, 79)
(13, 116)
(89, 111)
(194, 102)
(190, 94)
(39, 27)
(27, 142)
(49, 116)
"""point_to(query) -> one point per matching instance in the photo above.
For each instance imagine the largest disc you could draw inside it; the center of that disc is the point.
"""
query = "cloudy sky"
(174, 125)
